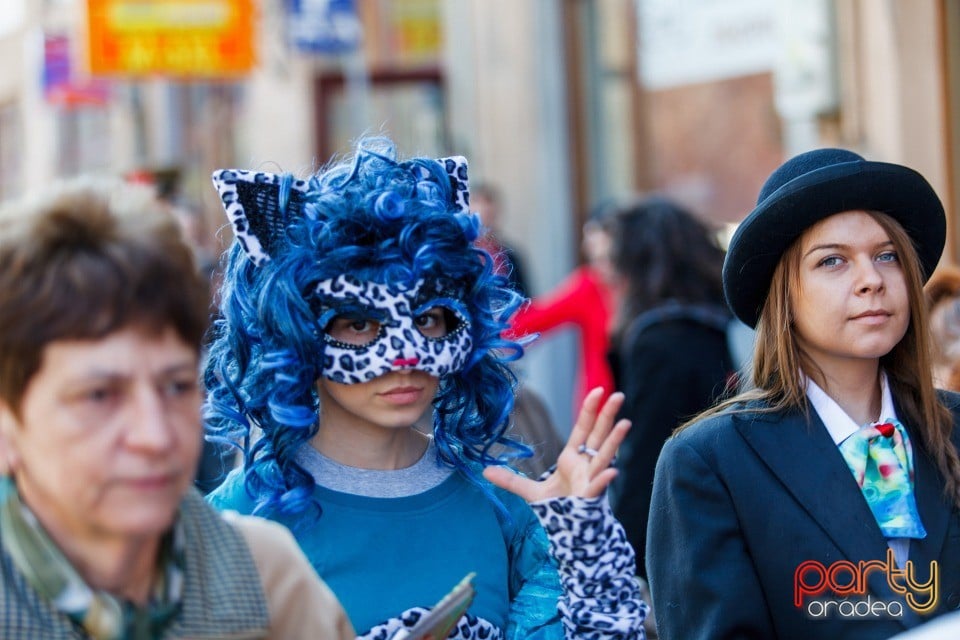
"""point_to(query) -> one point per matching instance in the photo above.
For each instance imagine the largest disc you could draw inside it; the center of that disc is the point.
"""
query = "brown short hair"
(88, 258)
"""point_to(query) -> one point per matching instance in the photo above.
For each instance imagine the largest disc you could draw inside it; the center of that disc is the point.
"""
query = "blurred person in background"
(102, 311)
(354, 302)
(586, 301)
(534, 426)
(943, 301)
(532, 422)
(671, 357)
(486, 201)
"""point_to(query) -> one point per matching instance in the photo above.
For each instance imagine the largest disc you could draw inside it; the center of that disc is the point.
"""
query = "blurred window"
(83, 140)
(407, 106)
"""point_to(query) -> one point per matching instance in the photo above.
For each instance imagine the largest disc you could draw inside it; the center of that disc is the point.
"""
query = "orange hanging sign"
(187, 38)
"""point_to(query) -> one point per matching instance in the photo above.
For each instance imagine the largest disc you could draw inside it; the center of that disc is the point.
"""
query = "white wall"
(276, 125)
(508, 115)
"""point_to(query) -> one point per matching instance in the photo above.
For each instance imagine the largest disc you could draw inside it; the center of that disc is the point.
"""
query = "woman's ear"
(9, 431)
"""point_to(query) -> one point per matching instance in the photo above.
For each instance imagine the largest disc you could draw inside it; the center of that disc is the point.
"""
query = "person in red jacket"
(585, 299)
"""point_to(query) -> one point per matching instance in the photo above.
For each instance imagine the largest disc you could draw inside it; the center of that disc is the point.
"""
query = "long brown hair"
(778, 360)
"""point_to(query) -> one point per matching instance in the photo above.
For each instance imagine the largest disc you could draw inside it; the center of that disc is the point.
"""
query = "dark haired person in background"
(671, 355)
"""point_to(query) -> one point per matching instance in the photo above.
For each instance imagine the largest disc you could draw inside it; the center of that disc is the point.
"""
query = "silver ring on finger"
(593, 453)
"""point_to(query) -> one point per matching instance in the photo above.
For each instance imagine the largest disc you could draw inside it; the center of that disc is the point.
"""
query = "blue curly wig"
(377, 219)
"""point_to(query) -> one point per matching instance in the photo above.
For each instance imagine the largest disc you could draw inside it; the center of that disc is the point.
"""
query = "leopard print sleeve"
(601, 599)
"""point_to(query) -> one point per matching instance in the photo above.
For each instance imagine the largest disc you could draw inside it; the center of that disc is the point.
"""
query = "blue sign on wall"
(323, 26)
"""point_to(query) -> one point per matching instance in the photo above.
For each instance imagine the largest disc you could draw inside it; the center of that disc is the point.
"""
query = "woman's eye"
(831, 261)
(99, 395)
(437, 322)
(888, 256)
(429, 319)
(353, 330)
(177, 388)
(432, 323)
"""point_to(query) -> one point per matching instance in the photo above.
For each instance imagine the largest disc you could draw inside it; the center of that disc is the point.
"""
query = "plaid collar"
(101, 615)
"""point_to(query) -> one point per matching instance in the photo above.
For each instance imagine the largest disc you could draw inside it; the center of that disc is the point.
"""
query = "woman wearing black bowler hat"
(823, 502)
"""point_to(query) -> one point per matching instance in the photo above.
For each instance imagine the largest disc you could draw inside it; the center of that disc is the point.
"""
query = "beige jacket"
(300, 604)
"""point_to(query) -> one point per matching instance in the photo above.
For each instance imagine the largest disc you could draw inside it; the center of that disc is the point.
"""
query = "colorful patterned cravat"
(881, 459)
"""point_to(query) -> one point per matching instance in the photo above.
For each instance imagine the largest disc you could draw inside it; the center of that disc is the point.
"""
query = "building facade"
(561, 103)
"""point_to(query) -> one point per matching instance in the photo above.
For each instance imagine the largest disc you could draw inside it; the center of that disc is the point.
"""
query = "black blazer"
(740, 500)
(669, 373)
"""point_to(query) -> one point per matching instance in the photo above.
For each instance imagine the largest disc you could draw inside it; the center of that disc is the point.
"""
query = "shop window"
(406, 106)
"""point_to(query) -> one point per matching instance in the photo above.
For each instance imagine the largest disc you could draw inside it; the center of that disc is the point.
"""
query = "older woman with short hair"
(102, 311)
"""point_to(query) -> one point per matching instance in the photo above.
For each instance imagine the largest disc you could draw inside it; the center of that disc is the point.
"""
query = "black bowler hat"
(813, 186)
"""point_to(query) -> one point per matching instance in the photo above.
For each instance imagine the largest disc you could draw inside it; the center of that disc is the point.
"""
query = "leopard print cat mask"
(371, 329)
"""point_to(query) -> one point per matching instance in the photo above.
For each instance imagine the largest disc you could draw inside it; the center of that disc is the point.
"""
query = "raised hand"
(583, 468)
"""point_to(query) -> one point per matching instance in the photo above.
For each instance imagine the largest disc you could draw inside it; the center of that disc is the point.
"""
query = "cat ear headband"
(260, 207)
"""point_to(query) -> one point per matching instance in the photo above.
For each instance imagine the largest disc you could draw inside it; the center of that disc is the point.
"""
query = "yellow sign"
(193, 38)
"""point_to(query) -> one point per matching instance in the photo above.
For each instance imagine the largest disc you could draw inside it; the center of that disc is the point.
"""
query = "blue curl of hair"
(381, 220)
